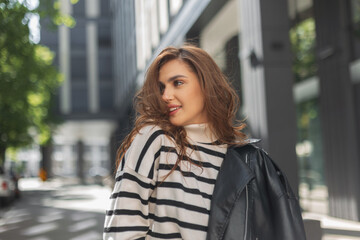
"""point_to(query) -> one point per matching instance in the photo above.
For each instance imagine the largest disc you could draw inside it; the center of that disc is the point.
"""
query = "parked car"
(8, 188)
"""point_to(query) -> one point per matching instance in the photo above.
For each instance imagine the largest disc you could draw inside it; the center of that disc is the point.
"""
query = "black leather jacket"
(252, 200)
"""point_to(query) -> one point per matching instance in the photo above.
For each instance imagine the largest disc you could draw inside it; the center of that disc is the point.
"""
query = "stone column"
(338, 120)
(267, 80)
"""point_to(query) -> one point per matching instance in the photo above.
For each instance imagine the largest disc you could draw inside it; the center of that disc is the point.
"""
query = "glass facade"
(309, 144)
(355, 26)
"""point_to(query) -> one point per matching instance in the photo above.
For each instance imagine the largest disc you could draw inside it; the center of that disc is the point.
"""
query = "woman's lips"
(174, 110)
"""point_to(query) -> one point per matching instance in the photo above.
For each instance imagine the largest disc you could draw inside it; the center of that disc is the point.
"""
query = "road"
(62, 209)
(55, 210)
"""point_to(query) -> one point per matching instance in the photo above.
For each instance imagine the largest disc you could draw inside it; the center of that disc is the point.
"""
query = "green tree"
(28, 80)
(302, 37)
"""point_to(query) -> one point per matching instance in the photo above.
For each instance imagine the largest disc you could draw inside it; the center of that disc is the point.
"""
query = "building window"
(78, 67)
(309, 143)
(78, 36)
(302, 37)
(105, 8)
(79, 96)
(79, 9)
(355, 11)
(106, 96)
(355, 17)
(104, 34)
(105, 65)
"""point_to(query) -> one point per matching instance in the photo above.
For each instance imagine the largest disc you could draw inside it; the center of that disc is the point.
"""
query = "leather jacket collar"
(252, 199)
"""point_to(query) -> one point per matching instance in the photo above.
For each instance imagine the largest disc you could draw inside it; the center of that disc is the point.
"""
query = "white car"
(7, 188)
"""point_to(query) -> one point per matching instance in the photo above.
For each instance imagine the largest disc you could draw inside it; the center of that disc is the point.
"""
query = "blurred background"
(69, 70)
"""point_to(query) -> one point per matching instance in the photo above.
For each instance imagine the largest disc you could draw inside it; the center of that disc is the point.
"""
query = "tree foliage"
(303, 42)
(302, 37)
(28, 80)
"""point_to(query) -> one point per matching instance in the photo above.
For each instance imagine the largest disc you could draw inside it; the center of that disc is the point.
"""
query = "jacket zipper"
(247, 203)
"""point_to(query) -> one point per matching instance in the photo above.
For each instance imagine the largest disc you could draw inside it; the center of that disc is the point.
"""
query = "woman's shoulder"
(143, 149)
(251, 150)
(150, 129)
(149, 134)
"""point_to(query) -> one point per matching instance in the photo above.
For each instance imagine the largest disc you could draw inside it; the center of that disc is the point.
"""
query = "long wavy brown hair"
(221, 102)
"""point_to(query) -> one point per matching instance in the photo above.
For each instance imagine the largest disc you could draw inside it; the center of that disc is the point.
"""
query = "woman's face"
(182, 93)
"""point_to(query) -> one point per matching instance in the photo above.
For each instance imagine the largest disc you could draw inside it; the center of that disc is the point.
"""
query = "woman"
(183, 146)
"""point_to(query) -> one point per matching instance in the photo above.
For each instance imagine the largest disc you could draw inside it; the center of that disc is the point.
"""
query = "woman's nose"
(167, 95)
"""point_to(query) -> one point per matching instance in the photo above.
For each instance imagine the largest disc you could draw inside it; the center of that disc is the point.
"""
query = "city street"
(55, 210)
(63, 209)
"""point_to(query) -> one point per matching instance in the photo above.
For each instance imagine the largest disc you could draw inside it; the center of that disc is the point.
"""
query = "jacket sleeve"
(128, 214)
(281, 204)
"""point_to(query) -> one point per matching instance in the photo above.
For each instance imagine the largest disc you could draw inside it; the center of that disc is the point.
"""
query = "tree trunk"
(46, 152)
(2, 155)
(80, 162)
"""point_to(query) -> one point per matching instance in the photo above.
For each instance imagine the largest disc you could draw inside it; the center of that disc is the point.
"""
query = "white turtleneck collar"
(200, 133)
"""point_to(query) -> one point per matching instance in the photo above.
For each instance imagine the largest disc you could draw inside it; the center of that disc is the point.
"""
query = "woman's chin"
(176, 123)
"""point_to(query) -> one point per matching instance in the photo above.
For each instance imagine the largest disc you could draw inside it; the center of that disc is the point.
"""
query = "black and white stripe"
(143, 203)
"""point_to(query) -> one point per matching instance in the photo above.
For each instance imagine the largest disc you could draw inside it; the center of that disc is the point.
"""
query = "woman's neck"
(200, 133)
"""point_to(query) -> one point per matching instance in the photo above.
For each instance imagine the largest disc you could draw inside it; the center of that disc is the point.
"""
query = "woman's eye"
(178, 83)
(161, 88)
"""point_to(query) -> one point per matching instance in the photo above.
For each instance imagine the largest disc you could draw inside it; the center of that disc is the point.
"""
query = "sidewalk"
(335, 228)
(57, 209)
(77, 211)
(70, 194)
(315, 205)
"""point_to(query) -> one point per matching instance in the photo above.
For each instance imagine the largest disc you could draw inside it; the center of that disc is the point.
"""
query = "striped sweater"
(143, 206)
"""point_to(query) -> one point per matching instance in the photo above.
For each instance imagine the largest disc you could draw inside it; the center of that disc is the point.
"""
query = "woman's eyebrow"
(175, 77)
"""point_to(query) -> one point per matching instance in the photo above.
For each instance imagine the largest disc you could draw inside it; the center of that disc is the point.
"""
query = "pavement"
(59, 209)
(333, 228)
(316, 216)
(64, 209)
